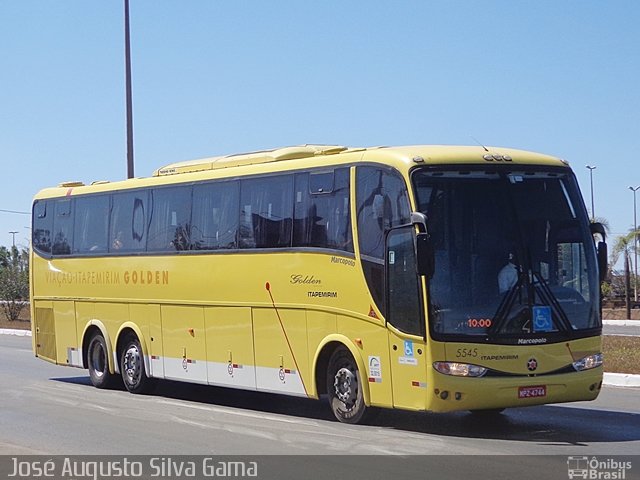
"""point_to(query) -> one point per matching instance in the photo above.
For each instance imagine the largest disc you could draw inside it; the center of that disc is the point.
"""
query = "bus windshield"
(514, 258)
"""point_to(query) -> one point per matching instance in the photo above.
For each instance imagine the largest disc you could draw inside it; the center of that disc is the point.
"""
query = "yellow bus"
(431, 278)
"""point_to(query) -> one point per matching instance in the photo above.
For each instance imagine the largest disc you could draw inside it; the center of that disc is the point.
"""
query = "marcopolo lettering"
(343, 261)
(531, 341)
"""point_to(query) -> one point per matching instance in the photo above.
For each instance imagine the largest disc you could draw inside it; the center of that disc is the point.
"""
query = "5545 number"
(467, 352)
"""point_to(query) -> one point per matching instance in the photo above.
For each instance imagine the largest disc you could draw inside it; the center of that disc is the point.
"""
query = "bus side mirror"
(426, 262)
(426, 255)
(419, 219)
(602, 260)
(597, 228)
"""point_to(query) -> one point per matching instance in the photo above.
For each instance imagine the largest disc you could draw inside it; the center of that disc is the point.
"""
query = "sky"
(214, 77)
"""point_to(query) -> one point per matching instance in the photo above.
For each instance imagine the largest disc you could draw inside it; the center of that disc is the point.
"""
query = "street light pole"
(127, 54)
(635, 244)
(14, 238)
(593, 212)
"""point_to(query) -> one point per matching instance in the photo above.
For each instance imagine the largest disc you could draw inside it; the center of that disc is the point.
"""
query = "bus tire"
(98, 362)
(344, 387)
(132, 368)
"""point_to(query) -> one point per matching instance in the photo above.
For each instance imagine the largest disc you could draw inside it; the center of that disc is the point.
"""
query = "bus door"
(405, 321)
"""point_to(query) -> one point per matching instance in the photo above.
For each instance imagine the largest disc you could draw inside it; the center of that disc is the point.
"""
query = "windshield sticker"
(542, 319)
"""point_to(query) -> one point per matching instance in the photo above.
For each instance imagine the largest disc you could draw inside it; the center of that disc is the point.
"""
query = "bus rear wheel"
(344, 386)
(98, 362)
(132, 368)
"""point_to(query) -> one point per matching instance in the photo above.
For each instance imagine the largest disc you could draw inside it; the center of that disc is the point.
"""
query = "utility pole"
(593, 210)
(14, 238)
(635, 245)
(127, 54)
(627, 284)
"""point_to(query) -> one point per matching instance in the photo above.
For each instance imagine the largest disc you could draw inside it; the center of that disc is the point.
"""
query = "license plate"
(532, 392)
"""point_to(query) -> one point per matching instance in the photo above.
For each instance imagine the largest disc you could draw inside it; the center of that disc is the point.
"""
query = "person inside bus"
(508, 276)
(117, 241)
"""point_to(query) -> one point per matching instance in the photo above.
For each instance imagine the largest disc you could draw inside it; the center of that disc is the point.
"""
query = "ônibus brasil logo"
(595, 468)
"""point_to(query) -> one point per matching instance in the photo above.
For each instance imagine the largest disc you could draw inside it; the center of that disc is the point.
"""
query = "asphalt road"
(50, 410)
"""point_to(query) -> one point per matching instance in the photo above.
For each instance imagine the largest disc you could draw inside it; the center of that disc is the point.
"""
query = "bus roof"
(312, 156)
(429, 154)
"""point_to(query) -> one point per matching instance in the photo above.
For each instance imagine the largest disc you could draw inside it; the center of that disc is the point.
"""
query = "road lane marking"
(228, 411)
(227, 428)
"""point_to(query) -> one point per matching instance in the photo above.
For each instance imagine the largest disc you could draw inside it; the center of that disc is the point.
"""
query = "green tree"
(625, 247)
(14, 281)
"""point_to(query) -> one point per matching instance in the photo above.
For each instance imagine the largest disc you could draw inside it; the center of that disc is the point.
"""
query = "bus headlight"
(588, 362)
(459, 369)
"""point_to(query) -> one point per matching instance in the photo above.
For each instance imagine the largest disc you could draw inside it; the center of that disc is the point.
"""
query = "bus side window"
(62, 227)
(91, 224)
(266, 212)
(322, 214)
(214, 222)
(403, 283)
(169, 228)
(382, 203)
(128, 222)
(42, 225)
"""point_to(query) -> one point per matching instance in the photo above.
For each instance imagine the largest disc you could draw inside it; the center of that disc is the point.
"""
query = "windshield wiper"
(502, 314)
(541, 288)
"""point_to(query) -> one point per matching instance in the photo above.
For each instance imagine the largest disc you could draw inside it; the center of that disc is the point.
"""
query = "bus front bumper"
(450, 393)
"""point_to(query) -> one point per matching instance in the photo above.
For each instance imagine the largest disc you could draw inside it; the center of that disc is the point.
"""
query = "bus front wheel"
(98, 362)
(132, 367)
(344, 386)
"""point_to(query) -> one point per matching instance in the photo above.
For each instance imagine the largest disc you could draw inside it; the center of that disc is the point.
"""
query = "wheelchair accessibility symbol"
(542, 319)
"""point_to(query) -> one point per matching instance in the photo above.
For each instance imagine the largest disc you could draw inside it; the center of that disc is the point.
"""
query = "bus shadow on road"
(74, 380)
(547, 424)
(245, 399)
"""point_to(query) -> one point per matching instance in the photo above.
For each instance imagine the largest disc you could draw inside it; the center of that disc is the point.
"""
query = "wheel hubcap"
(346, 386)
(132, 365)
